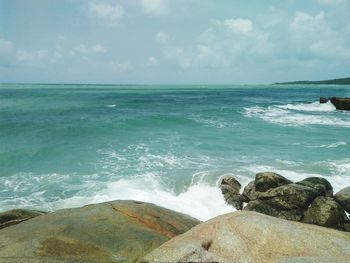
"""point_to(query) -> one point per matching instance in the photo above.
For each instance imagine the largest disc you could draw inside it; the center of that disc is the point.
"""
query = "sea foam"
(299, 114)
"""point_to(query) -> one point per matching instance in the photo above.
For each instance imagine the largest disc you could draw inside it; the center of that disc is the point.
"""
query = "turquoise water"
(69, 145)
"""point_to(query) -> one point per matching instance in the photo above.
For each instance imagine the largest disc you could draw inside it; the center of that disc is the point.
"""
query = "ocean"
(70, 145)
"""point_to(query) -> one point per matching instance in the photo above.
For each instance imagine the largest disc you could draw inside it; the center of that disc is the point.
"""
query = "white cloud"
(243, 26)
(162, 37)
(154, 7)
(83, 49)
(225, 43)
(98, 48)
(11, 55)
(313, 36)
(120, 66)
(6, 46)
(304, 21)
(152, 61)
(105, 13)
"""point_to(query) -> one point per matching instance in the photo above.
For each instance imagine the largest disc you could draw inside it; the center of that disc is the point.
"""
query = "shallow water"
(69, 145)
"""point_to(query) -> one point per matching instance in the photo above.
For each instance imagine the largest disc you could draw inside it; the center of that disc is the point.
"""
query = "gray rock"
(267, 208)
(323, 100)
(250, 193)
(249, 237)
(321, 185)
(118, 231)
(325, 211)
(230, 184)
(341, 103)
(15, 216)
(290, 197)
(343, 198)
(268, 180)
(235, 200)
(230, 188)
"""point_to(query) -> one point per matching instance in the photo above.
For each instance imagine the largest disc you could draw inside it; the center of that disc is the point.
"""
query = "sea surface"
(70, 145)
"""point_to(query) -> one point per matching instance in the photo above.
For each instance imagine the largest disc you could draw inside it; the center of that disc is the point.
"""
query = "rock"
(230, 188)
(321, 185)
(323, 100)
(118, 231)
(290, 197)
(341, 103)
(250, 193)
(343, 198)
(16, 216)
(249, 237)
(235, 200)
(266, 208)
(268, 180)
(229, 184)
(325, 211)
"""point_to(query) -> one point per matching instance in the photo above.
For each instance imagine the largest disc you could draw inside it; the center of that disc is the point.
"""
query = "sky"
(173, 41)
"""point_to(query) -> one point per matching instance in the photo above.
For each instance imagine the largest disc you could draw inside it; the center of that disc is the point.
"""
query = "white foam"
(285, 116)
(332, 145)
(201, 201)
(111, 106)
(338, 179)
(209, 122)
(315, 106)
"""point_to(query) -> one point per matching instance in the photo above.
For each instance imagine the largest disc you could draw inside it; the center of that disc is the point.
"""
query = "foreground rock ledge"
(118, 231)
(250, 237)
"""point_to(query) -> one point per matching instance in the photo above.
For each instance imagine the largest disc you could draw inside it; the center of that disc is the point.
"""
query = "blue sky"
(173, 41)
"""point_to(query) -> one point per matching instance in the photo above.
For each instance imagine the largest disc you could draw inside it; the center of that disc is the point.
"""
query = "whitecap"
(332, 145)
(201, 200)
(111, 106)
(314, 106)
(283, 115)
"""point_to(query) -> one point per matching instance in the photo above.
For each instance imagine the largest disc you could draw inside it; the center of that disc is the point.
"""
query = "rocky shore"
(132, 231)
(309, 201)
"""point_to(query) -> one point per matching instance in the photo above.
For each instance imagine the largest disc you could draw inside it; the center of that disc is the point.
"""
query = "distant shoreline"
(342, 81)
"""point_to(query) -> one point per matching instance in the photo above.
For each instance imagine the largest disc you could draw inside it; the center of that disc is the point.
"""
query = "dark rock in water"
(229, 184)
(323, 100)
(250, 193)
(325, 211)
(16, 216)
(341, 103)
(290, 197)
(321, 185)
(267, 208)
(343, 198)
(235, 200)
(118, 231)
(268, 180)
(230, 188)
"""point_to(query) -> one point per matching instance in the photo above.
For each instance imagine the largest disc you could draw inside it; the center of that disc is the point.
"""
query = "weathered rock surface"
(274, 195)
(325, 211)
(343, 198)
(323, 100)
(321, 185)
(341, 103)
(268, 180)
(249, 237)
(118, 231)
(249, 192)
(230, 188)
(229, 184)
(291, 196)
(16, 216)
(268, 208)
